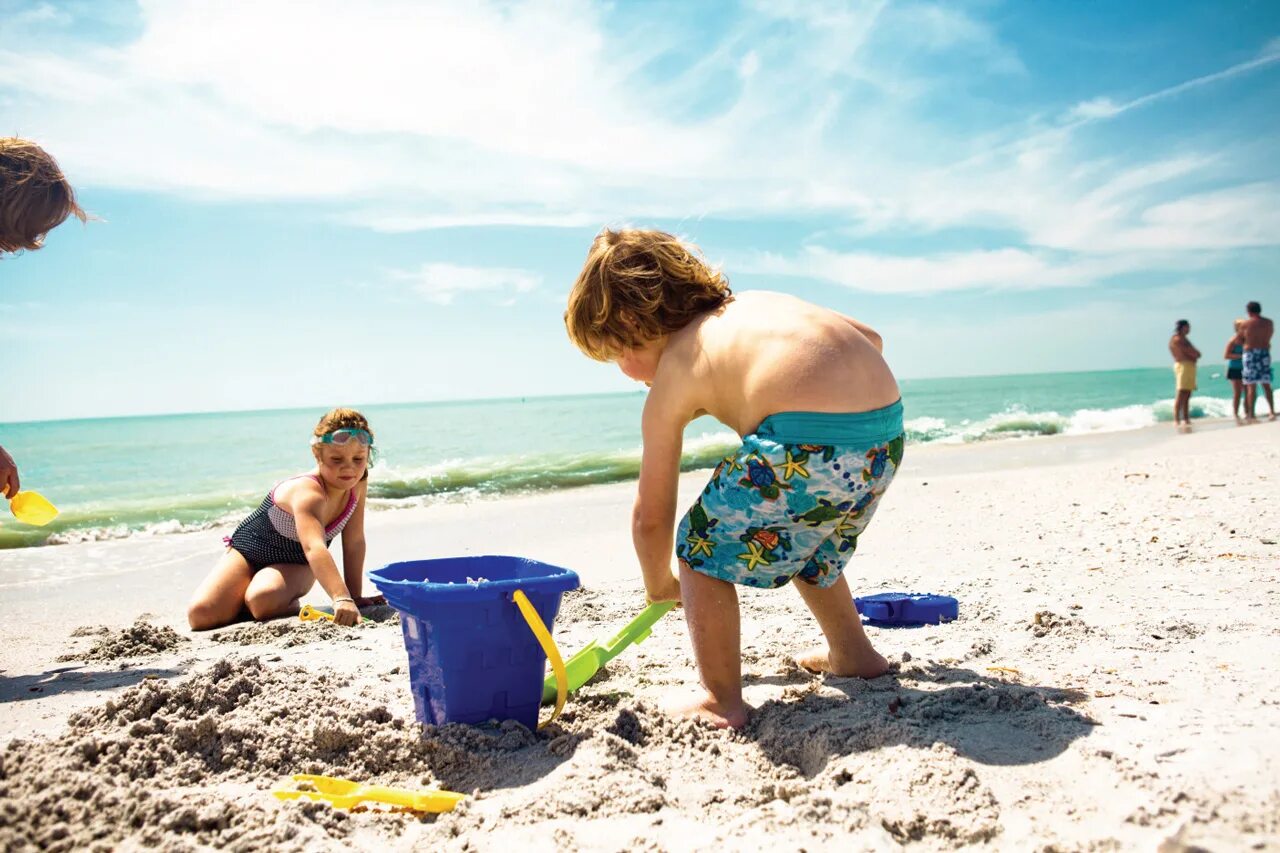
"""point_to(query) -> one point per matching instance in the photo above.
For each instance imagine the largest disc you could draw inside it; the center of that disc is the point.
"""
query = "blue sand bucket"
(473, 653)
(906, 609)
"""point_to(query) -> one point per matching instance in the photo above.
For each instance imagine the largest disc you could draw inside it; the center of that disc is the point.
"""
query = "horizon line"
(501, 398)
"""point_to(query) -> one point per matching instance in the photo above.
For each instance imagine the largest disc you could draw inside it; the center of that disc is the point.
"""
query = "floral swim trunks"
(1257, 366)
(792, 501)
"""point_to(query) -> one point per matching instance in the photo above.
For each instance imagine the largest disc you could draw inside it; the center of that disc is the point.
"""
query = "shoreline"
(935, 459)
(1090, 444)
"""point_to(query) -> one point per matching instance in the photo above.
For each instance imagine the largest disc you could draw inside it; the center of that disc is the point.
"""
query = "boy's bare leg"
(711, 611)
(849, 651)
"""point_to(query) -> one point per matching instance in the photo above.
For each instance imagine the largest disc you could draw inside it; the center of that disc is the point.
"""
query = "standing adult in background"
(1256, 332)
(1185, 357)
(35, 198)
(1235, 369)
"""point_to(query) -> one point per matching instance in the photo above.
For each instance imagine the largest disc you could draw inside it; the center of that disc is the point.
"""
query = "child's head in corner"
(636, 288)
(35, 197)
(342, 443)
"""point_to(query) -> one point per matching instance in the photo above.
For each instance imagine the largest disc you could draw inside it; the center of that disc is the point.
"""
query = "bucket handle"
(540, 631)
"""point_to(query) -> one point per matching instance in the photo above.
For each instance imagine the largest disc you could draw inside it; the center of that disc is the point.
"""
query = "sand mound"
(206, 748)
(141, 639)
(1046, 623)
(190, 763)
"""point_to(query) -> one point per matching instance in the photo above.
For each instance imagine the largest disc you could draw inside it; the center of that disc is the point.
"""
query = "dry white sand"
(1109, 685)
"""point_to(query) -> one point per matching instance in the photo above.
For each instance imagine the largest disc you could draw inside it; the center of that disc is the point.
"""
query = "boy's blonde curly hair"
(35, 197)
(636, 286)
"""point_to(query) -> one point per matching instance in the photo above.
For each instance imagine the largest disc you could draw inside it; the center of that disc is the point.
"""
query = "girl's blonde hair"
(636, 286)
(342, 419)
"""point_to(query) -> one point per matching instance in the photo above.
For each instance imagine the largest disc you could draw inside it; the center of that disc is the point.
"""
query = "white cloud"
(997, 269)
(441, 283)
(1100, 107)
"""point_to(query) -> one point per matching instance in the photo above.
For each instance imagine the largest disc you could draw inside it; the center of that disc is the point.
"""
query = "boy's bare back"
(763, 353)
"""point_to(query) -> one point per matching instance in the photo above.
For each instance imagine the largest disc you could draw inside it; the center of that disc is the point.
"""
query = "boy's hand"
(667, 589)
(9, 482)
(345, 612)
(370, 601)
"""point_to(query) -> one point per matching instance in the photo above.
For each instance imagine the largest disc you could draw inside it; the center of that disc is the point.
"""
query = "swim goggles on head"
(342, 436)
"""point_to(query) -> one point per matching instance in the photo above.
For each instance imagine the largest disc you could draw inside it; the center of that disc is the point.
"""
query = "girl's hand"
(668, 589)
(371, 601)
(345, 612)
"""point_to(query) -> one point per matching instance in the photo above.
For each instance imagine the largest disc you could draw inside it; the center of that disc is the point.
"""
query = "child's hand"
(345, 612)
(371, 601)
(667, 589)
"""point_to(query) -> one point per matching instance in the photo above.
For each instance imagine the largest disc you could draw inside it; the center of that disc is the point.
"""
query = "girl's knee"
(261, 604)
(203, 615)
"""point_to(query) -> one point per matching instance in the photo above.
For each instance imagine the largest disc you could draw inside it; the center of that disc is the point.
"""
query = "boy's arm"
(654, 516)
(9, 482)
(867, 332)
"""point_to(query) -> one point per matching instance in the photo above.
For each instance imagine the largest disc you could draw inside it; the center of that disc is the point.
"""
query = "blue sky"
(311, 204)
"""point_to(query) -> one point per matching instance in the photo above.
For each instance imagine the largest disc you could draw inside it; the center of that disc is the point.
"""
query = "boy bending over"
(820, 417)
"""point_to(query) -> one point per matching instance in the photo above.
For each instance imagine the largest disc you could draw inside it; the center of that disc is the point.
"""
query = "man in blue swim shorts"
(1256, 332)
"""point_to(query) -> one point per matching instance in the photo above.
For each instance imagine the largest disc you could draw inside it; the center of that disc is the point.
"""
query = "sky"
(349, 203)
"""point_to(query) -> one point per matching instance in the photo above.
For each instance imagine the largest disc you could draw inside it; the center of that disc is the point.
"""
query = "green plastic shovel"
(587, 662)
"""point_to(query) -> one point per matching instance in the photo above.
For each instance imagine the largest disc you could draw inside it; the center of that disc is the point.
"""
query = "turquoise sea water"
(118, 477)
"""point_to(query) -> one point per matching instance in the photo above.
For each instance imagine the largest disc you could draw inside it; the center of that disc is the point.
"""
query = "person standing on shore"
(35, 198)
(1185, 357)
(1255, 333)
(1235, 369)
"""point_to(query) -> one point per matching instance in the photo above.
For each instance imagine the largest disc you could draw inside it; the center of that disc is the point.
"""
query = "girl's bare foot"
(818, 659)
(703, 706)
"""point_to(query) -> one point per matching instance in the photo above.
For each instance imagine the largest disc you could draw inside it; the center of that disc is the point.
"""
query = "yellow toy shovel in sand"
(312, 614)
(344, 793)
(32, 508)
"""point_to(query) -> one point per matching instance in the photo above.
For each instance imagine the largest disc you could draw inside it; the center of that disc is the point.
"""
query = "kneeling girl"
(282, 548)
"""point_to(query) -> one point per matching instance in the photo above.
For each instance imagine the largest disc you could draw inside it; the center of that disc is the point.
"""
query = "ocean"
(148, 476)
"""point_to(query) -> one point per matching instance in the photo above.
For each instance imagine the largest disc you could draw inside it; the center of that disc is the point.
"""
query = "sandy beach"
(1110, 683)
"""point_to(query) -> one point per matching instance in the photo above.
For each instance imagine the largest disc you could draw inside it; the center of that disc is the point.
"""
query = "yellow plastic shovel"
(344, 793)
(32, 508)
(311, 614)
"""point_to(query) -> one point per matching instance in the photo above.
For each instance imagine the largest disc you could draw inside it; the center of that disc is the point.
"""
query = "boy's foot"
(818, 659)
(702, 706)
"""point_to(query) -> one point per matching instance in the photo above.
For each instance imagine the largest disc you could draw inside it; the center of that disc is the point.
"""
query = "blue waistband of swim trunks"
(857, 429)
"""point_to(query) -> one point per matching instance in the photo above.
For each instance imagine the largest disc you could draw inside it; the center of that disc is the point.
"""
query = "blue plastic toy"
(472, 655)
(906, 609)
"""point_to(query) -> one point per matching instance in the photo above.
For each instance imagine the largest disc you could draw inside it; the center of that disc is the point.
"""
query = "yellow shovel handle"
(549, 646)
(310, 614)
